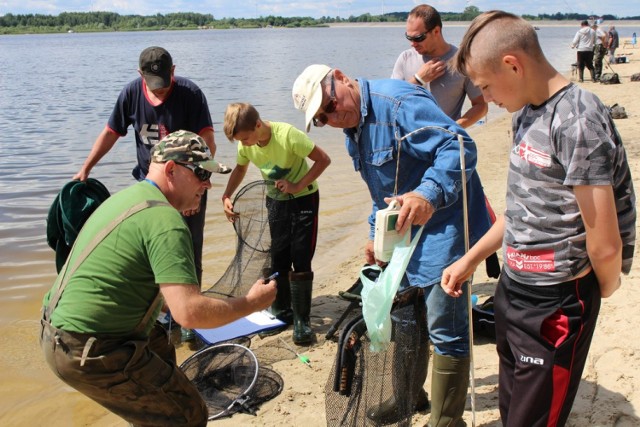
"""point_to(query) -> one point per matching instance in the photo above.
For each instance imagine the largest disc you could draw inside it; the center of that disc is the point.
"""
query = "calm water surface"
(56, 94)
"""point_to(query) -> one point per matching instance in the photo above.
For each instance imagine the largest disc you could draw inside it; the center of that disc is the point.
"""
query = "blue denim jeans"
(448, 321)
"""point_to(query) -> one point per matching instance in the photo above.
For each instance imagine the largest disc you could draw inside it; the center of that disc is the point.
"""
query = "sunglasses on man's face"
(321, 119)
(417, 39)
(202, 174)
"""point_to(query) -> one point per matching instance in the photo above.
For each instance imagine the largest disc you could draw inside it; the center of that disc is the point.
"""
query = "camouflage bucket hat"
(184, 147)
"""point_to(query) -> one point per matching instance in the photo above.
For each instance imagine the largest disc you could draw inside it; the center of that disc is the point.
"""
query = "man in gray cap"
(156, 104)
(99, 333)
(406, 148)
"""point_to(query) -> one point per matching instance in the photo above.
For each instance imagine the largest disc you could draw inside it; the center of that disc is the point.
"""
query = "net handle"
(242, 397)
(465, 216)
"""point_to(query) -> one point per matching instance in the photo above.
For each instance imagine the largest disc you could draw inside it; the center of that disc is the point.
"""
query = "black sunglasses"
(321, 119)
(202, 174)
(417, 39)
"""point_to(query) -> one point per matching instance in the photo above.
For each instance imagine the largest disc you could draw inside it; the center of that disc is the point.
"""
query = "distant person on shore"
(156, 104)
(584, 41)
(99, 332)
(613, 41)
(280, 151)
(426, 64)
(568, 230)
(634, 40)
(406, 148)
(599, 50)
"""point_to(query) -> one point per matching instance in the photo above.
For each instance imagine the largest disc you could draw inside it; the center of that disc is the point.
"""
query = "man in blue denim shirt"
(391, 125)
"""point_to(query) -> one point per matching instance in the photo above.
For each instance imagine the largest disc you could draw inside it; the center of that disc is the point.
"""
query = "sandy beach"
(609, 394)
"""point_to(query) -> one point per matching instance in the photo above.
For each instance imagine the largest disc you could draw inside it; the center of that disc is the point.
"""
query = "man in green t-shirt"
(99, 333)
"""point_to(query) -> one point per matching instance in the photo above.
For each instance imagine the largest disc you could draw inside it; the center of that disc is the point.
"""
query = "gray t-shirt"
(570, 140)
(449, 89)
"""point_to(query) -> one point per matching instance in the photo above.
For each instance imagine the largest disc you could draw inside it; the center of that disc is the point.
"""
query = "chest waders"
(67, 273)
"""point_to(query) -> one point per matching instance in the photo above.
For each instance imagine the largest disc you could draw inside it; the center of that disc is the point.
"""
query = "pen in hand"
(270, 278)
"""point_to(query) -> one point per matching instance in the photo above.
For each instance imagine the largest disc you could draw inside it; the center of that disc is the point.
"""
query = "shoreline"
(543, 23)
(620, 23)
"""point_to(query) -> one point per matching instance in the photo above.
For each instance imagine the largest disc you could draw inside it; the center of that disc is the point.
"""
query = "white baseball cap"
(307, 91)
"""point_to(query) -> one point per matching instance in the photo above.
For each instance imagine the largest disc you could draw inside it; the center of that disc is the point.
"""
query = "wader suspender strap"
(63, 278)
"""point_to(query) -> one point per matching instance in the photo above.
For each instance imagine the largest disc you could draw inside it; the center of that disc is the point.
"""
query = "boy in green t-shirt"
(279, 150)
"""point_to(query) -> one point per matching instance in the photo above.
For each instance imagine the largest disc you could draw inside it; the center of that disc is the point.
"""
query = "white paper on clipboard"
(248, 325)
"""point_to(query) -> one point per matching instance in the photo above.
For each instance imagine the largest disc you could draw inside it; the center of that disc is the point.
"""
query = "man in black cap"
(99, 333)
(157, 104)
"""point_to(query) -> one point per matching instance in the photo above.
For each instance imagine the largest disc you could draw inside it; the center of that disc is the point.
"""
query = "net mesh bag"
(361, 380)
(262, 226)
(230, 378)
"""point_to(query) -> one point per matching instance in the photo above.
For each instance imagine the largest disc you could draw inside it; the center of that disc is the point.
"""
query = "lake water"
(56, 94)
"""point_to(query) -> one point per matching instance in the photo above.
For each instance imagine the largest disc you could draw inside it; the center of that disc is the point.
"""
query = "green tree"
(470, 12)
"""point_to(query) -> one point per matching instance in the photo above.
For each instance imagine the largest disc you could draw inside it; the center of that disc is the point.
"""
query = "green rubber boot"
(281, 307)
(301, 287)
(449, 383)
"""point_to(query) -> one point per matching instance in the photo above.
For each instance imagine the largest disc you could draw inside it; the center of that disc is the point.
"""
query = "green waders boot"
(301, 287)
(281, 306)
(449, 383)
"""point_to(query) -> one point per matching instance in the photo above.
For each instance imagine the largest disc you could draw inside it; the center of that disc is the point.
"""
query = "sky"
(342, 8)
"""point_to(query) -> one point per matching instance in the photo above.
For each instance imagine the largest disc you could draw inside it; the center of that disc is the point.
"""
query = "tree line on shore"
(111, 21)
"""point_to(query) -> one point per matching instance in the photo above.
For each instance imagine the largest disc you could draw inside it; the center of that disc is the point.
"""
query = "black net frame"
(361, 379)
(230, 378)
(260, 214)
(224, 375)
(257, 216)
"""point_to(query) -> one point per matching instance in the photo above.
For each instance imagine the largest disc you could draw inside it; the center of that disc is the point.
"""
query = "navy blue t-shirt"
(184, 109)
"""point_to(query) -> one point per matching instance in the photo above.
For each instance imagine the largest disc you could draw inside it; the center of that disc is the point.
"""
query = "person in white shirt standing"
(584, 41)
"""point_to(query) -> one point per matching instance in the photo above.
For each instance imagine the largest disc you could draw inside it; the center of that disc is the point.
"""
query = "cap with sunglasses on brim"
(185, 148)
(307, 91)
(156, 65)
